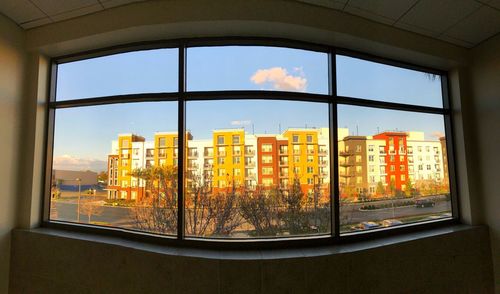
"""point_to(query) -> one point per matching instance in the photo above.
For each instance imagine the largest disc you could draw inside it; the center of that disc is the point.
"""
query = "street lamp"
(79, 180)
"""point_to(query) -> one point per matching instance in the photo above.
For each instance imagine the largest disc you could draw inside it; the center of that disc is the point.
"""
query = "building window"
(370, 109)
(267, 148)
(267, 171)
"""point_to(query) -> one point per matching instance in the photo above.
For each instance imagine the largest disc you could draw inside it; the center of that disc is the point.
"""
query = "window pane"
(256, 68)
(392, 168)
(150, 71)
(112, 166)
(370, 80)
(251, 188)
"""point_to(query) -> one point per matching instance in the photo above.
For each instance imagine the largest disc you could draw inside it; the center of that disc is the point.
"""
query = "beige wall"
(451, 260)
(11, 92)
(485, 74)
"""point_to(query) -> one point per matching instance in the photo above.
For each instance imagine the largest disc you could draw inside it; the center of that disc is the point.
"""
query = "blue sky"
(83, 135)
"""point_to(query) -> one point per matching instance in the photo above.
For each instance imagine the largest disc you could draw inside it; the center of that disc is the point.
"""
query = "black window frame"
(182, 96)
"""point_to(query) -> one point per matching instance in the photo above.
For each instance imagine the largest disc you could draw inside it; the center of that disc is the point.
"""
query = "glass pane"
(150, 71)
(115, 165)
(392, 168)
(256, 68)
(257, 169)
(370, 80)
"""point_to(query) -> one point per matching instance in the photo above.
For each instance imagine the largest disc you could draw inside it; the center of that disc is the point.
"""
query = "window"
(267, 171)
(162, 142)
(426, 182)
(267, 159)
(267, 148)
(254, 147)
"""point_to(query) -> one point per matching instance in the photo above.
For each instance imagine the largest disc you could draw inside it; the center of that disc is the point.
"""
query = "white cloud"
(68, 162)
(280, 79)
(241, 122)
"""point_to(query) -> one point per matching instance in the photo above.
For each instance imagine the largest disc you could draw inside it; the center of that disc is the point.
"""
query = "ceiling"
(34, 13)
(466, 23)
(462, 22)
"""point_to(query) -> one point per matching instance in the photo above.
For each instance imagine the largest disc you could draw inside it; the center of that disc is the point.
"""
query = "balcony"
(250, 164)
(345, 153)
(283, 163)
(392, 152)
(221, 153)
(249, 152)
(309, 151)
(209, 165)
(236, 153)
(193, 166)
(125, 156)
(283, 151)
(283, 175)
(346, 163)
(323, 152)
(322, 163)
(250, 176)
(208, 154)
(192, 154)
(296, 152)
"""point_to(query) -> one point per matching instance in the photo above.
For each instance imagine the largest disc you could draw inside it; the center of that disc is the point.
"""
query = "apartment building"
(390, 161)
(230, 159)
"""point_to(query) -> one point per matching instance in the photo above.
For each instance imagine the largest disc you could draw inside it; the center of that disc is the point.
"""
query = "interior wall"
(11, 93)
(485, 77)
(449, 260)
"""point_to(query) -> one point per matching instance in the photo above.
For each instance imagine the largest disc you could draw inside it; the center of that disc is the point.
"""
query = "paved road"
(123, 216)
(111, 215)
(353, 215)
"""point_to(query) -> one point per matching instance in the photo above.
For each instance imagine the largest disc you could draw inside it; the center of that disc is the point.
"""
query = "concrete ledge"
(454, 259)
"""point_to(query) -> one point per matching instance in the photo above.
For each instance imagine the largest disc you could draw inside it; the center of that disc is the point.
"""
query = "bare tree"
(157, 212)
(260, 208)
(91, 207)
(294, 216)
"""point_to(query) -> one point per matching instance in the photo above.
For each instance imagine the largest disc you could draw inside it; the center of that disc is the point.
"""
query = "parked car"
(421, 203)
(369, 225)
(391, 222)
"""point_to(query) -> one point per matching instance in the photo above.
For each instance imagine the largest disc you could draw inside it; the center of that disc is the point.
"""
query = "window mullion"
(334, 179)
(181, 134)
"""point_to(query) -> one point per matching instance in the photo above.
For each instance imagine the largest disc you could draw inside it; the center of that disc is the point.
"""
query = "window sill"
(252, 254)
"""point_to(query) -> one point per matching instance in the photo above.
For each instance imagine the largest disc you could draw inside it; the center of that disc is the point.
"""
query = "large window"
(247, 142)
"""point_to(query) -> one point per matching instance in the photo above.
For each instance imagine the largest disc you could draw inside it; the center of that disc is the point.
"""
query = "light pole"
(79, 180)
